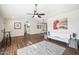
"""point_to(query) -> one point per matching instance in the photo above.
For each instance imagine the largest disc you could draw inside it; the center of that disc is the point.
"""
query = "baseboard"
(23, 35)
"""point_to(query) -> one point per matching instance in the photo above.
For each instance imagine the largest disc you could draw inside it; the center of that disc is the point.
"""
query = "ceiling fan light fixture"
(36, 14)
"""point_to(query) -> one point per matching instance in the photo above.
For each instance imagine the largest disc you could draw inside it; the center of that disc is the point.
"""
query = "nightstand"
(73, 41)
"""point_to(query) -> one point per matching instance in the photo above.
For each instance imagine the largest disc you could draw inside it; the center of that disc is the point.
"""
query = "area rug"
(42, 48)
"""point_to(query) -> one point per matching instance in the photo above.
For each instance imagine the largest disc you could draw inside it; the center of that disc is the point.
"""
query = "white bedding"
(60, 37)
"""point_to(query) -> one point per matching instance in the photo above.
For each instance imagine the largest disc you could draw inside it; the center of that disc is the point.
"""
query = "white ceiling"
(21, 10)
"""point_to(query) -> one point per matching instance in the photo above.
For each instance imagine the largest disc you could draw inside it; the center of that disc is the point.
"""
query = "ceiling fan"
(35, 13)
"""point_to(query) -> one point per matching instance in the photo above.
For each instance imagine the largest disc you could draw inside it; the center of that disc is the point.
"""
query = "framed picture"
(17, 25)
(56, 24)
(60, 24)
(64, 23)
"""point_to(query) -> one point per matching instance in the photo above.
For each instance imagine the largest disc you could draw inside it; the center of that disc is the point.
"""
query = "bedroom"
(23, 30)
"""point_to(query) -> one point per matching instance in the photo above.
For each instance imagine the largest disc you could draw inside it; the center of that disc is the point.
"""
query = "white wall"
(73, 22)
(1, 28)
(9, 25)
(21, 10)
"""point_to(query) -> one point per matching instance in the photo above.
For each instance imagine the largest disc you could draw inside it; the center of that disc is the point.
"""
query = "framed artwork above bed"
(60, 23)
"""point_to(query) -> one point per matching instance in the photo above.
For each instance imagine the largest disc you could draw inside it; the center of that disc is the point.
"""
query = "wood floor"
(20, 42)
(68, 51)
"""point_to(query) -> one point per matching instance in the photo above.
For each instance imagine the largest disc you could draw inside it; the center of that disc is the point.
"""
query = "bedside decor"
(73, 42)
(17, 25)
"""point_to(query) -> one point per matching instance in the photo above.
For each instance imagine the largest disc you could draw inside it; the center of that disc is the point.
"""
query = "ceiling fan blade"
(42, 14)
(33, 16)
(39, 16)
